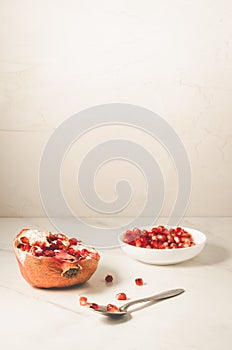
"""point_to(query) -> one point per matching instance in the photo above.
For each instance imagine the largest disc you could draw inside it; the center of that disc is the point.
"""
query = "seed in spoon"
(112, 308)
(94, 306)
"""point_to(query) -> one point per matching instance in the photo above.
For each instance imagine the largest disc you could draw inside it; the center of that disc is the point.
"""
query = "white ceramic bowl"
(165, 256)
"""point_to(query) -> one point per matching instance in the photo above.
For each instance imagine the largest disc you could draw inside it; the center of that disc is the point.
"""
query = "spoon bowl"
(103, 310)
(122, 311)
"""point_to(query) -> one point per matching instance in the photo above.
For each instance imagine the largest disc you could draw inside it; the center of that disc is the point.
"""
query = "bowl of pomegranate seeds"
(162, 245)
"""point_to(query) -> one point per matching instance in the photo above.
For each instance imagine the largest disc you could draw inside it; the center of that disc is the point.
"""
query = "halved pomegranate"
(48, 260)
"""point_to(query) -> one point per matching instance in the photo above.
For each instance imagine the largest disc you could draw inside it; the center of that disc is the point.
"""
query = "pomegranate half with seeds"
(52, 260)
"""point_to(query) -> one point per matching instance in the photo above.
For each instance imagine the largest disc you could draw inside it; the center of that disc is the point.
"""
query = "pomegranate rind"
(53, 272)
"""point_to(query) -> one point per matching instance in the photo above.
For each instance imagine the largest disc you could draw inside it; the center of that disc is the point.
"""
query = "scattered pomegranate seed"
(94, 306)
(109, 278)
(83, 301)
(159, 238)
(121, 296)
(139, 281)
(112, 308)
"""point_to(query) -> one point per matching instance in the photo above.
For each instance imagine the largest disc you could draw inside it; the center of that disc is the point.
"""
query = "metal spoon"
(123, 309)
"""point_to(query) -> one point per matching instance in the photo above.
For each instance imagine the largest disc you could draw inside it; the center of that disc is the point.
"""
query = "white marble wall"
(58, 57)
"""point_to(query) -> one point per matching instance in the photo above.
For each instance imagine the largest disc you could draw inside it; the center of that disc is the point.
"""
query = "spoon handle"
(160, 296)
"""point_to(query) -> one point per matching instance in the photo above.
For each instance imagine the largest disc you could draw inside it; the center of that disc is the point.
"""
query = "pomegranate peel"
(51, 261)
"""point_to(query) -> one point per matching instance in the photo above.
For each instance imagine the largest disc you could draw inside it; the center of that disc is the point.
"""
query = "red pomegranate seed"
(139, 281)
(38, 253)
(27, 247)
(121, 296)
(161, 238)
(138, 242)
(73, 241)
(173, 246)
(170, 238)
(112, 308)
(109, 278)
(144, 241)
(72, 251)
(51, 237)
(137, 231)
(24, 247)
(177, 239)
(94, 306)
(60, 236)
(184, 245)
(60, 244)
(24, 240)
(84, 252)
(144, 232)
(165, 245)
(42, 245)
(54, 246)
(155, 245)
(83, 301)
(20, 246)
(48, 253)
(185, 240)
(129, 236)
(77, 254)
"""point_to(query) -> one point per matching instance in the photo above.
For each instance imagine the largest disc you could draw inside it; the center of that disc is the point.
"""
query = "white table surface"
(199, 319)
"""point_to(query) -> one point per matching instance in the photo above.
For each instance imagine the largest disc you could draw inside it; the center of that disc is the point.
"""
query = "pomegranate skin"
(62, 270)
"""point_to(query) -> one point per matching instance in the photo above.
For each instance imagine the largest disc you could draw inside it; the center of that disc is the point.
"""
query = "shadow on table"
(211, 254)
(96, 284)
(128, 317)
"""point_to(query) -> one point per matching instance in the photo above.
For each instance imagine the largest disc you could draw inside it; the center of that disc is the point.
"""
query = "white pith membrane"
(41, 236)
